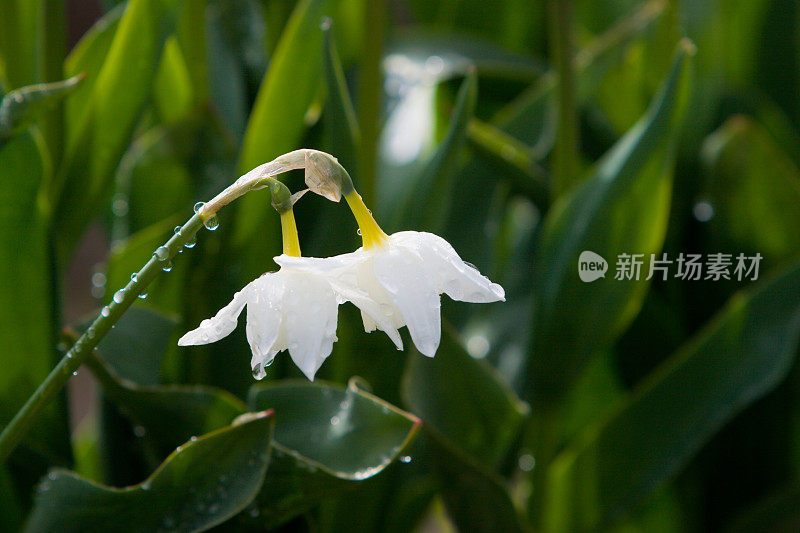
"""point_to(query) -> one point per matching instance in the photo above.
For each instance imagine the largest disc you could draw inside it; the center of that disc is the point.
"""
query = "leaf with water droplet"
(72, 503)
(356, 436)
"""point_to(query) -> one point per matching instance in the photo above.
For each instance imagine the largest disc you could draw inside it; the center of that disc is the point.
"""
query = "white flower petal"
(264, 320)
(310, 311)
(404, 278)
(322, 265)
(459, 280)
(220, 325)
(372, 313)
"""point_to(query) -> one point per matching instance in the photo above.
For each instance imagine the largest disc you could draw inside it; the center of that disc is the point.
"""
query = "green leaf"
(463, 402)
(18, 41)
(21, 107)
(429, 195)
(472, 419)
(743, 353)
(173, 94)
(26, 294)
(754, 188)
(622, 208)
(326, 438)
(87, 58)
(133, 356)
(169, 414)
(277, 121)
(119, 93)
(201, 484)
(339, 109)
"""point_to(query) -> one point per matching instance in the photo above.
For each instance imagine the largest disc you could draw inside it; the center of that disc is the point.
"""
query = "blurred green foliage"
(656, 404)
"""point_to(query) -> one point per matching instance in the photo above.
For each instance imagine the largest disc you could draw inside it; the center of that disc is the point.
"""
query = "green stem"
(565, 164)
(80, 351)
(375, 19)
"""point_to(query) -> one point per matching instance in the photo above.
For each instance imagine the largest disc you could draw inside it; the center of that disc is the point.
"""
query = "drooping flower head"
(292, 309)
(395, 280)
(404, 272)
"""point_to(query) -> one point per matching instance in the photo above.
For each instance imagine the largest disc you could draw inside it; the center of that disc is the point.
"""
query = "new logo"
(591, 266)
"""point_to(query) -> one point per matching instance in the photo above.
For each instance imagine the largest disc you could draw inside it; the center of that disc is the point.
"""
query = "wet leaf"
(326, 438)
(201, 484)
(753, 188)
(622, 208)
(740, 355)
(472, 419)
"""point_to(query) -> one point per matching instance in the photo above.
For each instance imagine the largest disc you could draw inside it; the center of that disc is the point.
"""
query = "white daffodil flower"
(405, 272)
(294, 309)
(405, 275)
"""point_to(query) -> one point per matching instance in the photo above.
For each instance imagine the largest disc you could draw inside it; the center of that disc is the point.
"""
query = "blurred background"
(522, 131)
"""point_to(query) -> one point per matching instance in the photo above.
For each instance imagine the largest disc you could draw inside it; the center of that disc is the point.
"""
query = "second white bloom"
(405, 276)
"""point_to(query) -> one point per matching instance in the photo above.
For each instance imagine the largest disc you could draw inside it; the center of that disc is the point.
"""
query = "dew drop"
(334, 420)
(191, 242)
(405, 459)
(167, 266)
(145, 485)
(105, 312)
(99, 280)
(258, 371)
(198, 206)
(193, 438)
(526, 462)
(119, 206)
(52, 476)
(358, 231)
(703, 211)
(134, 277)
(90, 333)
(143, 295)
(177, 230)
(162, 253)
(119, 296)
(211, 224)
(75, 373)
